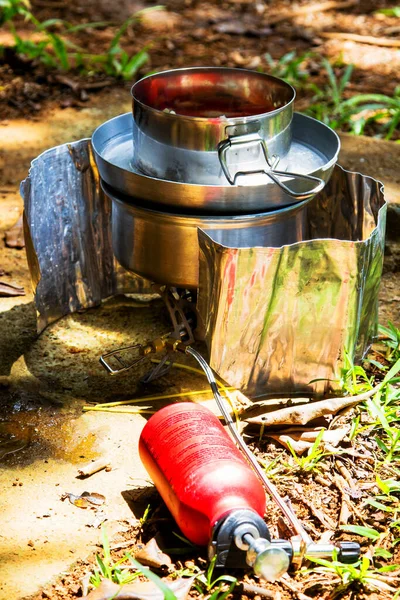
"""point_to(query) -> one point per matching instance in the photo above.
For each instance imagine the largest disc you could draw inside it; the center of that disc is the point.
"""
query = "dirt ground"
(45, 381)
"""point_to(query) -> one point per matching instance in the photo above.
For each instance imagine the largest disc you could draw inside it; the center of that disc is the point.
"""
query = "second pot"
(163, 246)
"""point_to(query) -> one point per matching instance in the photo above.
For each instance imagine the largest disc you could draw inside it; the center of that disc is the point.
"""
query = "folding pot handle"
(319, 184)
(255, 140)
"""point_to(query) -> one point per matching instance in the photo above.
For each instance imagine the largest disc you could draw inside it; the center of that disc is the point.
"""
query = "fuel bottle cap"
(268, 561)
(349, 552)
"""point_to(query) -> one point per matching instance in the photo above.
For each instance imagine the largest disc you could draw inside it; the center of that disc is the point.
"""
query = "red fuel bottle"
(196, 467)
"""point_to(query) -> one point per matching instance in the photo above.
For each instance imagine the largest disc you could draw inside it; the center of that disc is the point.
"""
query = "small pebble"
(31, 543)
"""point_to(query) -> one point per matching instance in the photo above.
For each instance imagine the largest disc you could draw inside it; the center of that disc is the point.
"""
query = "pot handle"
(255, 139)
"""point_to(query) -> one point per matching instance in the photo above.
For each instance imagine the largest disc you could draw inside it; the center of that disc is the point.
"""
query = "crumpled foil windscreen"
(282, 319)
(275, 318)
(68, 235)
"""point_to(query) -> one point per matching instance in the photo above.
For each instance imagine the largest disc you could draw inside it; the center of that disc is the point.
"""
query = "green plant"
(118, 572)
(392, 341)
(374, 108)
(309, 462)
(205, 583)
(167, 592)
(353, 378)
(58, 52)
(360, 573)
(390, 12)
(289, 67)
(9, 9)
(145, 515)
(328, 104)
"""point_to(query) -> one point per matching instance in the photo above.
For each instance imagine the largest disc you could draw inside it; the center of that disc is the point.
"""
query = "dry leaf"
(152, 556)
(9, 289)
(302, 439)
(140, 590)
(14, 237)
(85, 500)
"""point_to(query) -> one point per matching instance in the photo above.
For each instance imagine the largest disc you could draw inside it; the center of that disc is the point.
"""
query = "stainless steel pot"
(163, 246)
(208, 126)
(314, 151)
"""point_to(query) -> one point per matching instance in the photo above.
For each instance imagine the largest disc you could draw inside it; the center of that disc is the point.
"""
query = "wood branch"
(94, 467)
(361, 39)
(311, 8)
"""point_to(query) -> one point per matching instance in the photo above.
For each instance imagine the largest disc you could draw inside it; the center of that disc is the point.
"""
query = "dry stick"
(94, 467)
(345, 473)
(304, 413)
(305, 10)
(286, 582)
(362, 39)
(345, 513)
(350, 505)
(253, 590)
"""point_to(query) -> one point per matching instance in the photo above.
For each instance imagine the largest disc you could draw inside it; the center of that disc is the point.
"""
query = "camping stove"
(242, 221)
(181, 306)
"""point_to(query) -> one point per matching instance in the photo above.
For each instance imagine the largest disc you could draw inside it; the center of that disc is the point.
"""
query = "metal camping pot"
(210, 126)
(163, 246)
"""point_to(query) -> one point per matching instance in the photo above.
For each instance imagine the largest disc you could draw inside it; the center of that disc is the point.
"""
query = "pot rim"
(216, 120)
(221, 220)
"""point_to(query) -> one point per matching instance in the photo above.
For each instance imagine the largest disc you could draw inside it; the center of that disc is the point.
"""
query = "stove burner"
(181, 305)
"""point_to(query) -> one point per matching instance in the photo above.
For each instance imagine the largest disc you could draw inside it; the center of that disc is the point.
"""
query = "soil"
(48, 544)
(235, 33)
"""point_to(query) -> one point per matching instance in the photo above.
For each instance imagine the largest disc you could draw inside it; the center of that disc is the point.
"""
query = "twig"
(361, 39)
(345, 473)
(323, 481)
(94, 467)
(346, 498)
(122, 545)
(311, 8)
(9, 289)
(304, 413)
(286, 582)
(345, 513)
(253, 590)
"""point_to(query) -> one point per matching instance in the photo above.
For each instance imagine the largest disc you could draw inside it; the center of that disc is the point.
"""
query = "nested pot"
(163, 246)
(210, 126)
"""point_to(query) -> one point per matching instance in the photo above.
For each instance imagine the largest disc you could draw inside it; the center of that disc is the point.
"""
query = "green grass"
(330, 103)
(310, 461)
(56, 51)
(362, 573)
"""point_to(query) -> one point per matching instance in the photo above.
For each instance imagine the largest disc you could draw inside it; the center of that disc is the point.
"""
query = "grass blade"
(168, 593)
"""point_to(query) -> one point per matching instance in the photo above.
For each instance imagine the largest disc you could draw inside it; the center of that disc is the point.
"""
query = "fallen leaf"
(302, 439)
(94, 498)
(9, 289)
(140, 590)
(85, 500)
(14, 237)
(152, 556)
